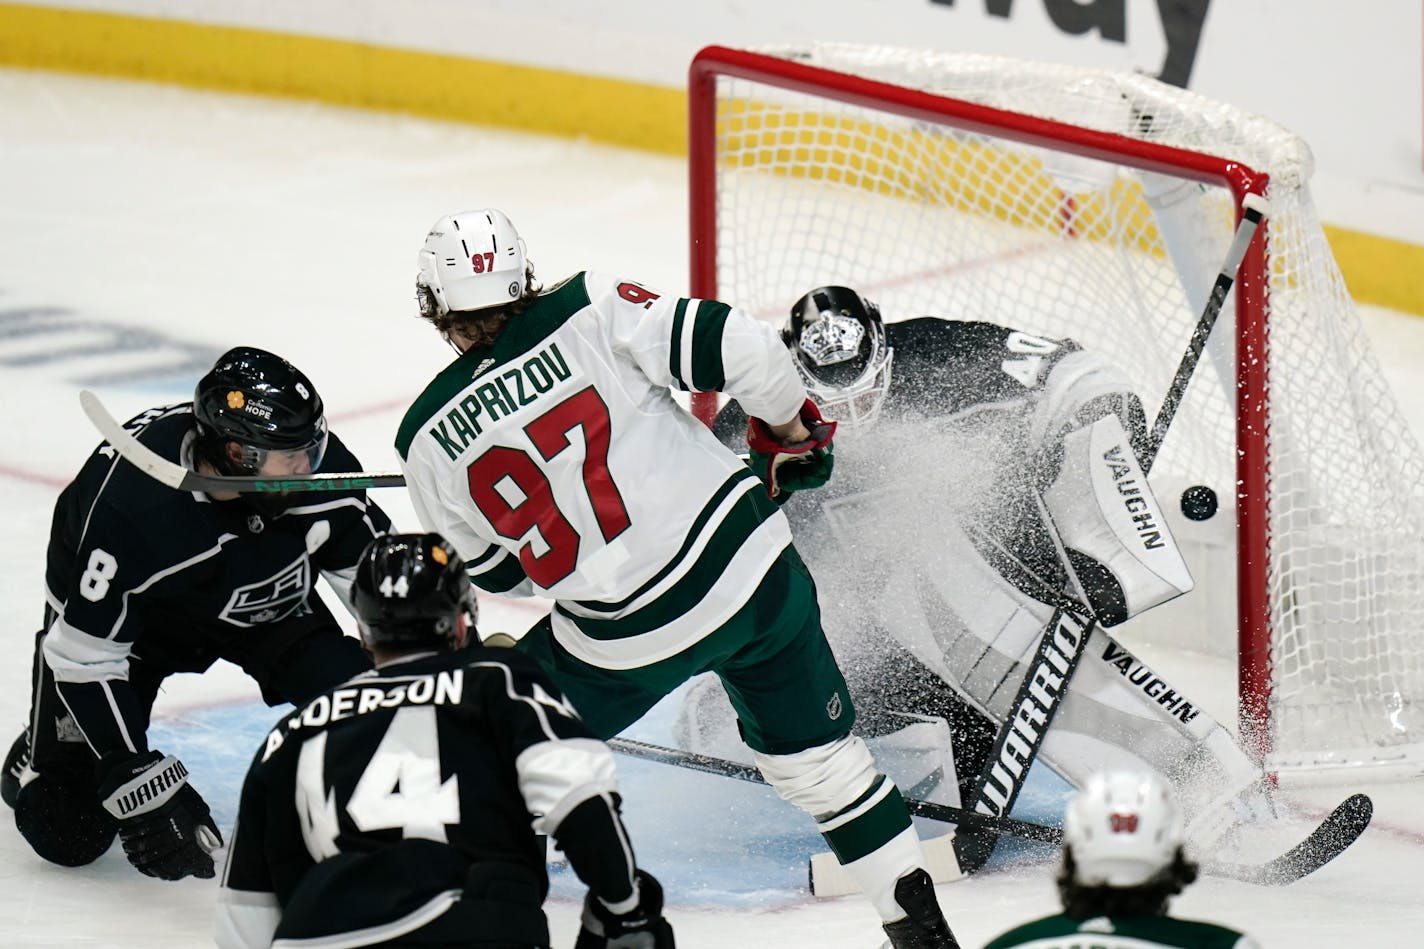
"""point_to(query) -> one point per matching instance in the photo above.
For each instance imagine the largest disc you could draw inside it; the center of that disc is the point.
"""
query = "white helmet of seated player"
(838, 339)
(471, 260)
(1122, 829)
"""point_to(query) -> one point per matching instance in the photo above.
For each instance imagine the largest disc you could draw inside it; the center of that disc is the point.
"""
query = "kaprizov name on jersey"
(512, 389)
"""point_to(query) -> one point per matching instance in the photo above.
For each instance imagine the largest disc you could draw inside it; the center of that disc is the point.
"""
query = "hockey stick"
(185, 479)
(1060, 649)
(1008, 826)
(1254, 210)
(1325, 842)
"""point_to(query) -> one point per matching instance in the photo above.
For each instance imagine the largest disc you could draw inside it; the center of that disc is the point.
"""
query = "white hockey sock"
(877, 872)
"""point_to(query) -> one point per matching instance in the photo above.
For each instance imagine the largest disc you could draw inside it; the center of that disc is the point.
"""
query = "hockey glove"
(165, 825)
(796, 467)
(641, 927)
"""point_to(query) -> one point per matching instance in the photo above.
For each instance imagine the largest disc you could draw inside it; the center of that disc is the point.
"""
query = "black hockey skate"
(924, 926)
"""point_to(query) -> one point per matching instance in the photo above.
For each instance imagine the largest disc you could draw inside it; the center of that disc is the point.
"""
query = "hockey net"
(1096, 205)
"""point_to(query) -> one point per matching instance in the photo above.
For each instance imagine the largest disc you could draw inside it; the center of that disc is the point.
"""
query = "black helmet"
(839, 342)
(263, 403)
(408, 591)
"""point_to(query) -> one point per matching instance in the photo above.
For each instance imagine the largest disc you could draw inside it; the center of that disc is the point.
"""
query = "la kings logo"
(267, 601)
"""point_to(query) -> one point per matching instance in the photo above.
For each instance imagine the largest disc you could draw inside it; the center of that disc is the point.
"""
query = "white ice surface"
(204, 221)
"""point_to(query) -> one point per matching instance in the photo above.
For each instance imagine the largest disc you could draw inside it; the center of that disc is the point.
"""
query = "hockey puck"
(1198, 502)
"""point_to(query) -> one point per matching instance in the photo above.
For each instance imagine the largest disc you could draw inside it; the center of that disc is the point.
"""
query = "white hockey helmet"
(471, 260)
(1123, 828)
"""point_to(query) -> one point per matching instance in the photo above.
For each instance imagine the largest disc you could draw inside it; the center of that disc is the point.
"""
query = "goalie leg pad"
(60, 817)
(707, 724)
(1119, 712)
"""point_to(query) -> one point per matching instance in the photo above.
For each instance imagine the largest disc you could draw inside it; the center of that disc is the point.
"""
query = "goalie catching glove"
(165, 825)
(797, 466)
(640, 927)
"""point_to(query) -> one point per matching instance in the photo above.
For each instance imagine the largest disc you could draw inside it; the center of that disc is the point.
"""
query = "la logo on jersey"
(267, 601)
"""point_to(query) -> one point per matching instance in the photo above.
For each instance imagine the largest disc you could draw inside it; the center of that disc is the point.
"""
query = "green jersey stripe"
(679, 317)
(708, 374)
(493, 551)
(657, 661)
(746, 515)
(502, 577)
(736, 481)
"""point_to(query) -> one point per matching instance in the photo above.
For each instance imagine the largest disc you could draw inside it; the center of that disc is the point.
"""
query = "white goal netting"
(810, 182)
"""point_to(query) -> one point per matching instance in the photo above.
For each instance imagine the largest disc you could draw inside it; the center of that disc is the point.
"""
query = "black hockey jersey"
(138, 568)
(422, 773)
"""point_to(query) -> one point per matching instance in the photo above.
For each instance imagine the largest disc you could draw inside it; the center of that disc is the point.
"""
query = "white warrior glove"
(165, 825)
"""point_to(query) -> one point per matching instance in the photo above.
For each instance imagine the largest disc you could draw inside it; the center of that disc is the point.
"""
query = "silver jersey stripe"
(378, 935)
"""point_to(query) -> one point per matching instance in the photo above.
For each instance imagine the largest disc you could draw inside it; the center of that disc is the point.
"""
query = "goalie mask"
(265, 405)
(1123, 829)
(411, 592)
(839, 343)
(471, 260)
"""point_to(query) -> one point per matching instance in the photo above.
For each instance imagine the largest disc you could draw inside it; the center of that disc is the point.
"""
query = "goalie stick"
(1326, 841)
(185, 479)
(1061, 646)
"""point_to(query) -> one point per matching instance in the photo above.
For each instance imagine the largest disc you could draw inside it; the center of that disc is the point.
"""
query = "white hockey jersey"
(558, 463)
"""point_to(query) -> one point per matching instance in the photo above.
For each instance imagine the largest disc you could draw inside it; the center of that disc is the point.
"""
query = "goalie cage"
(1085, 203)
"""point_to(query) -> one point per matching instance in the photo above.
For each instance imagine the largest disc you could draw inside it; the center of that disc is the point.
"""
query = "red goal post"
(1083, 203)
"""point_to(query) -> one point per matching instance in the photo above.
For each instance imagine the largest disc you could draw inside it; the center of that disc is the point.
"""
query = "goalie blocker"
(1111, 525)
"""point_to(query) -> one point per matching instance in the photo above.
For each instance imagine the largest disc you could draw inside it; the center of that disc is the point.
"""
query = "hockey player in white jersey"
(938, 569)
(1123, 861)
(553, 455)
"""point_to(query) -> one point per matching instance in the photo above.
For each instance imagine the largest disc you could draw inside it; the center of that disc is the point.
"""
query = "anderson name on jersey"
(431, 766)
(522, 456)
